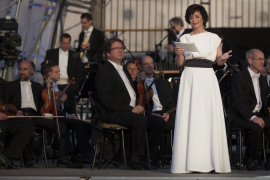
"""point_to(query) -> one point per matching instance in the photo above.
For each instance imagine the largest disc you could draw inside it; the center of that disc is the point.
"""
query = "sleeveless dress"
(200, 142)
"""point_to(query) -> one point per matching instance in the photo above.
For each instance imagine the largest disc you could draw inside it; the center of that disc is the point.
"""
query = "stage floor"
(40, 172)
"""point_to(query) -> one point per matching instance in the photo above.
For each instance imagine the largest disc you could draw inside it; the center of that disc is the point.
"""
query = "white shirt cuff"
(252, 118)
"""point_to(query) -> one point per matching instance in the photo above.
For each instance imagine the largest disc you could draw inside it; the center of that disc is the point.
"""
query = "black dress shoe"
(11, 165)
(28, 162)
(87, 160)
(75, 158)
(267, 166)
(250, 164)
(68, 163)
(153, 164)
(136, 166)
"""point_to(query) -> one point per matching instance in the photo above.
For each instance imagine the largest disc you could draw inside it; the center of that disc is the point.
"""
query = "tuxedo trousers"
(21, 131)
(255, 133)
(64, 144)
(137, 124)
(155, 130)
(82, 131)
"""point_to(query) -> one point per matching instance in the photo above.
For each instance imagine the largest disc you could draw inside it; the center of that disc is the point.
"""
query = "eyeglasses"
(260, 59)
(118, 48)
(151, 63)
(133, 69)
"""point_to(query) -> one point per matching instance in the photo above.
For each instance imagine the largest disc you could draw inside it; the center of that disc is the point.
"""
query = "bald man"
(249, 111)
(26, 96)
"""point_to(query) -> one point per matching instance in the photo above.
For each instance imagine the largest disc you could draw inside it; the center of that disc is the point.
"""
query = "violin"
(144, 95)
(145, 92)
(11, 110)
(61, 96)
(49, 106)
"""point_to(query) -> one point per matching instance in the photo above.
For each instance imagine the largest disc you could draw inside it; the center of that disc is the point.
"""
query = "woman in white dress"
(200, 143)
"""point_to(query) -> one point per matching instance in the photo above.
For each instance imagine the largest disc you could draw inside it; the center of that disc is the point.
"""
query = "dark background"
(248, 38)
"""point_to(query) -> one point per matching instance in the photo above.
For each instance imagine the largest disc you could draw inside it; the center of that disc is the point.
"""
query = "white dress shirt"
(122, 74)
(268, 79)
(87, 34)
(27, 95)
(256, 85)
(156, 103)
(180, 34)
(63, 64)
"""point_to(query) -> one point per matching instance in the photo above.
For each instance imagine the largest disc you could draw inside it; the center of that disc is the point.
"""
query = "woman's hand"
(178, 50)
(226, 55)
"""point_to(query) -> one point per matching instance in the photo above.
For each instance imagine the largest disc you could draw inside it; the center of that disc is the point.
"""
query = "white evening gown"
(200, 142)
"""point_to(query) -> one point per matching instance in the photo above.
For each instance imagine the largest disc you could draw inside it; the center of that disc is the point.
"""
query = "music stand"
(86, 85)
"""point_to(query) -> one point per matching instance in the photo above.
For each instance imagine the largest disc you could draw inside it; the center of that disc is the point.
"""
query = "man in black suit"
(267, 65)
(116, 103)
(26, 96)
(21, 130)
(162, 100)
(249, 110)
(70, 67)
(90, 37)
(176, 31)
(81, 129)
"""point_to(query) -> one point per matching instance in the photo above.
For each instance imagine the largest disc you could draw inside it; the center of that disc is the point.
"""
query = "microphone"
(224, 69)
(232, 67)
(76, 55)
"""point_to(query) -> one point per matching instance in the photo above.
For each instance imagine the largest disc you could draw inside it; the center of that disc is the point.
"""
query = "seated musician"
(26, 96)
(69, 66)
(162, 100)
(21, 130)
(249, 111)
(82, 129)
(116, 103)
(132, 69)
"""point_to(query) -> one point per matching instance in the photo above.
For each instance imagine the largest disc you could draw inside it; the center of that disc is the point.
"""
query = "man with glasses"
(116, 103)
(249, 111)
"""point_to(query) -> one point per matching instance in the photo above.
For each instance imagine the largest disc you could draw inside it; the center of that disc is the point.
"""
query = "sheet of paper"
(189, 47)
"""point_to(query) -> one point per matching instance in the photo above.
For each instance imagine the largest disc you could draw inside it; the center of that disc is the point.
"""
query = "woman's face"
(196, 20)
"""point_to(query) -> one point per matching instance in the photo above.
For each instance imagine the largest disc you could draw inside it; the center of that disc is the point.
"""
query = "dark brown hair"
(108, 45)
(87, 16)
(49, 67)
(196, 7)
(65, 35)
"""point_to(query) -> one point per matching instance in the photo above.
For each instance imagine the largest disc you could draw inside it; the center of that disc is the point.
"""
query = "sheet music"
(189, 47)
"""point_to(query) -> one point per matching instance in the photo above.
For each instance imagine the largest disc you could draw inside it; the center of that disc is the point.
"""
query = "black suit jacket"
(73, 67)
(112, 96)
(244, 98)
(164, 95)
(12, 94)
(96, 42)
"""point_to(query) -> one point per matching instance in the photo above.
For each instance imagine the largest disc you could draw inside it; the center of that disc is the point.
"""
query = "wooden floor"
(41, 172)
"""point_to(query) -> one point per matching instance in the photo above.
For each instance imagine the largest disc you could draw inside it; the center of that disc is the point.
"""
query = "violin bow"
(161, 74)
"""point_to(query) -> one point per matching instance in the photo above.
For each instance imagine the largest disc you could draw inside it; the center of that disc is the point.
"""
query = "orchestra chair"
(238, 132)
(112, 129)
